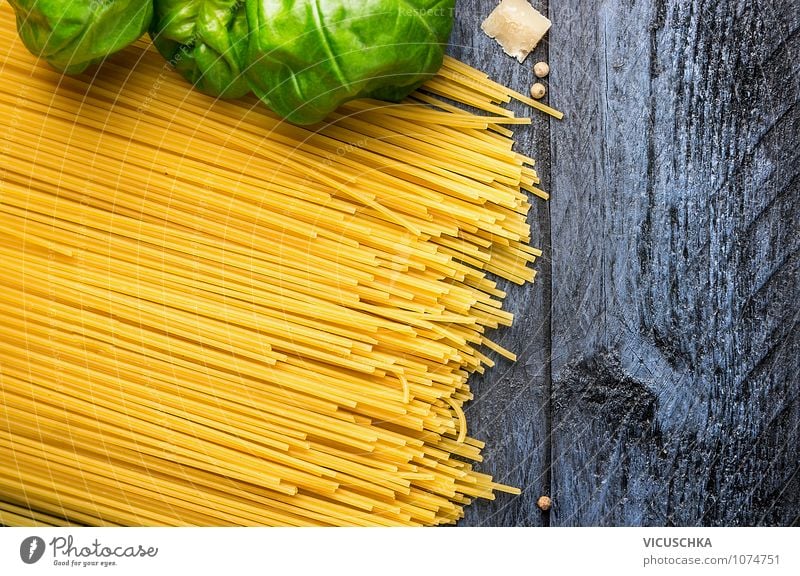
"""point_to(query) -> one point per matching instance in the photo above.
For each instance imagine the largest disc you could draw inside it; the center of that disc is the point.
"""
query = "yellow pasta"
(209, 316)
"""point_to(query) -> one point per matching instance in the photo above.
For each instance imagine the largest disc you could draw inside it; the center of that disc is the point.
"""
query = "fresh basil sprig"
(74, 34)
(302, 58)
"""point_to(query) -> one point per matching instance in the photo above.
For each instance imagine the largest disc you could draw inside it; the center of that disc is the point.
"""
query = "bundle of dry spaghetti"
(211, 317)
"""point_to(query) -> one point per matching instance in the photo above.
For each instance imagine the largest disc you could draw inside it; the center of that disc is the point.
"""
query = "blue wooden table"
(659, 352)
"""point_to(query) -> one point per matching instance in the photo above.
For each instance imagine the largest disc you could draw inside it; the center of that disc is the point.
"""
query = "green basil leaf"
(205, 40)
(307, 57)
(74, 34)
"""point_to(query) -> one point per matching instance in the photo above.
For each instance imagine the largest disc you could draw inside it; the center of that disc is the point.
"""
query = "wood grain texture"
(675, 262)
(511, 407)
(674, 274)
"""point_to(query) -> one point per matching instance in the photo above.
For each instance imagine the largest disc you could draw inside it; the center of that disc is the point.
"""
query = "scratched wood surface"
(511, 407)
(667, 300)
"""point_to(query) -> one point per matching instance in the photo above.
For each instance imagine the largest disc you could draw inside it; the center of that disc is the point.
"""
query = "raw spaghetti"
(212, 317)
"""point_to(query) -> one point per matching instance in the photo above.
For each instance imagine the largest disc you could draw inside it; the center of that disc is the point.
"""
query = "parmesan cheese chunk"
(517, 26)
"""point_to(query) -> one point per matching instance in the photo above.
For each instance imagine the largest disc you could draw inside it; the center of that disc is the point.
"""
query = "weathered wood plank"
(510, 410)
(675, 262)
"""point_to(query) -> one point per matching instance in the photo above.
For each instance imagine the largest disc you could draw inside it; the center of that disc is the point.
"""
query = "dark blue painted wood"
(673, 234)
(511, 407)
(671, 269)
